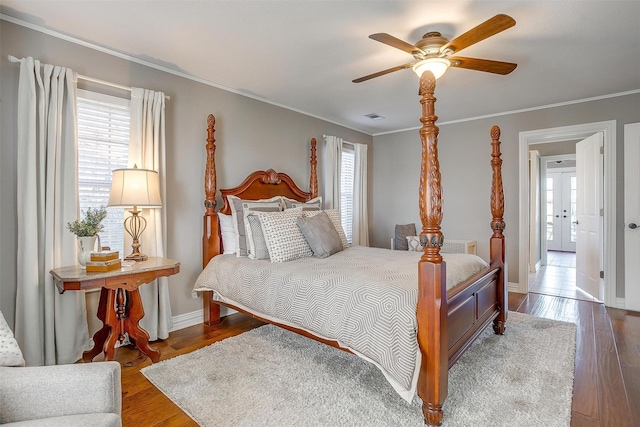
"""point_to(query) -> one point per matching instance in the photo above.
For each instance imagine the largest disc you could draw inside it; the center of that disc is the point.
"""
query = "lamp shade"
(135, 187)
(436, 65)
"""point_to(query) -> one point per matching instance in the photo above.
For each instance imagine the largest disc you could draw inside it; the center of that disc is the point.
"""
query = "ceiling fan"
(435, 53)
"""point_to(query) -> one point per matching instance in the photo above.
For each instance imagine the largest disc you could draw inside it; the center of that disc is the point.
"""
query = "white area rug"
(273, 377)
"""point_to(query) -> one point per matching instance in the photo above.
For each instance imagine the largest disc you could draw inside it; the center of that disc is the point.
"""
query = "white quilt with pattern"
(364, 298)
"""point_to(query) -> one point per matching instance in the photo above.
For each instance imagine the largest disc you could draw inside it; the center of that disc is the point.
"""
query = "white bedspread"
(364, 298)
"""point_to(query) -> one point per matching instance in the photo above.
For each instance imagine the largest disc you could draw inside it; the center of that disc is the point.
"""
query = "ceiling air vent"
(374, 116)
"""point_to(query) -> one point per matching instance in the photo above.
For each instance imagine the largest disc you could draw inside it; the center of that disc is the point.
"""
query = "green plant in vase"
(86, 231)
(90, 225)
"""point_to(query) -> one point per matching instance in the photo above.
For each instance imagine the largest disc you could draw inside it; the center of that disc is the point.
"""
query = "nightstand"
(120, 307)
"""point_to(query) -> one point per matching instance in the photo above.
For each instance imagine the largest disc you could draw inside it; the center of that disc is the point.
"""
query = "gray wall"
(250, 135)
(466, 174)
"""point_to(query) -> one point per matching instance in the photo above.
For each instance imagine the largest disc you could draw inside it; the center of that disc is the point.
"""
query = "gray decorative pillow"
(256, 243)
(238, 207)
(307, 206)
(313, 204)
(401, 233)
(284, 238)
(321, 235)
(334, 216)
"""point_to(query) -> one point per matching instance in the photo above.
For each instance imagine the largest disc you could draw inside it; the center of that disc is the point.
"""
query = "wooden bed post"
(313, 177)
(496, 244)
(211, 231)
(432, 307)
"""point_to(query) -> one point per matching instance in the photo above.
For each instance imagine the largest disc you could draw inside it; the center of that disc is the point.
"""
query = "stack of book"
(104, 261)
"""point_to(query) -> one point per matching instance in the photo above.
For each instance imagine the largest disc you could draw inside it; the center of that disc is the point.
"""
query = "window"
(103, 145)
(346, 190)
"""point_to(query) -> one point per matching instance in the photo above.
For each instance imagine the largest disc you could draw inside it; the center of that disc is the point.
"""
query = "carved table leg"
(101, 336)
(136, 333)
(120, 312)
(109, 347)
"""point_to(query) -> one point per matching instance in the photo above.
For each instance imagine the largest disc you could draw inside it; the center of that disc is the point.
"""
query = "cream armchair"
(62, 395)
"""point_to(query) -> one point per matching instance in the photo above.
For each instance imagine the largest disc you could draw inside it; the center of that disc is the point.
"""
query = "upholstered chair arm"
(53, 391)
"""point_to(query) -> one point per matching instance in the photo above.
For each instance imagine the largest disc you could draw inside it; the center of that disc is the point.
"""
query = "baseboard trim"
(515, 287)
(620, 302)
(182, 321)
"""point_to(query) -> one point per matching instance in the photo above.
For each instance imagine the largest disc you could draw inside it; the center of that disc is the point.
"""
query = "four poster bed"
(445, 317)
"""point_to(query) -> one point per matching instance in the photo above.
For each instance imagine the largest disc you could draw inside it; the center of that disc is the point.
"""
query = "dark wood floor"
(607, 371)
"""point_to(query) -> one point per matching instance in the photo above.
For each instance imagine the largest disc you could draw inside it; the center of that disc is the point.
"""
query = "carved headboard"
(264, 185)
(258, 185)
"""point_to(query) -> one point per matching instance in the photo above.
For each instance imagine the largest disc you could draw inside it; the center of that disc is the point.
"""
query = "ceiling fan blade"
(486, 65)
(382, 73)
(388, 39)
(488, 28)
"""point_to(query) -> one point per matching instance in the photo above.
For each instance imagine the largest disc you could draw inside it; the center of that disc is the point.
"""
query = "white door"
(589, 174)
(561, 210)
(632, 216)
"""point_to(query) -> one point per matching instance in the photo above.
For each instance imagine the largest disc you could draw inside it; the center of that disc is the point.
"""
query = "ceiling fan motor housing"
(430, 44)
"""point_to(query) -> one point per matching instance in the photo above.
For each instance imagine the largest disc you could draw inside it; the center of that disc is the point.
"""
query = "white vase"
(86, 245)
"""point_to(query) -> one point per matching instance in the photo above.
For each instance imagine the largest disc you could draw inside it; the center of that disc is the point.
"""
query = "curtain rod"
(91, 79)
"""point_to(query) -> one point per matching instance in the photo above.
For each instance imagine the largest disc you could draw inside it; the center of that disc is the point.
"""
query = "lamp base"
(136, 257)
(135, 225)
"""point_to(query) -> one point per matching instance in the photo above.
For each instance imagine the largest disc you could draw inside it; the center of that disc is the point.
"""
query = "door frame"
(631, 294)
(567, 133)
(543, 206)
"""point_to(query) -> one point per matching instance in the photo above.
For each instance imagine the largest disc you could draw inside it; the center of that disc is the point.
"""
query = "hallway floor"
(558, 278)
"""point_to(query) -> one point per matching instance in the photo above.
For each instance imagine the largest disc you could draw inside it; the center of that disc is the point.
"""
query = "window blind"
(103, 145)
(346, 191)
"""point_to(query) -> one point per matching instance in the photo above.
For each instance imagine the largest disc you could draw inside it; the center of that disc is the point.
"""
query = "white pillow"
(334, 215)
(228, 232)
(414, 243)
(285, 241)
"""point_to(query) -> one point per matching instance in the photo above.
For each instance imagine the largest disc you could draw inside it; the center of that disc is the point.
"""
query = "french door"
(561, 211)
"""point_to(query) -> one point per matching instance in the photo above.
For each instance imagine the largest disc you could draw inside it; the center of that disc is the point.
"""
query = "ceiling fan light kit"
(434, 52)
(436, 65)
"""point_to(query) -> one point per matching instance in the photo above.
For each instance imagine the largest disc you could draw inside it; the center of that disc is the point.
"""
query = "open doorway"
(534, 273)
(555, 272)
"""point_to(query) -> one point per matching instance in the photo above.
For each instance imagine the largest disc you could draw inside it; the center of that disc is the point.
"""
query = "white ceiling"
(304, 54)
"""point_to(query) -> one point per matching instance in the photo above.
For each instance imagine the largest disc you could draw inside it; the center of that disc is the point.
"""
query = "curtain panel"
(51, 328)
(331, 171)
(147, 150)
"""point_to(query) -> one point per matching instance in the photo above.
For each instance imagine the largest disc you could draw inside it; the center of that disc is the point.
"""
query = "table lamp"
(137, 188)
